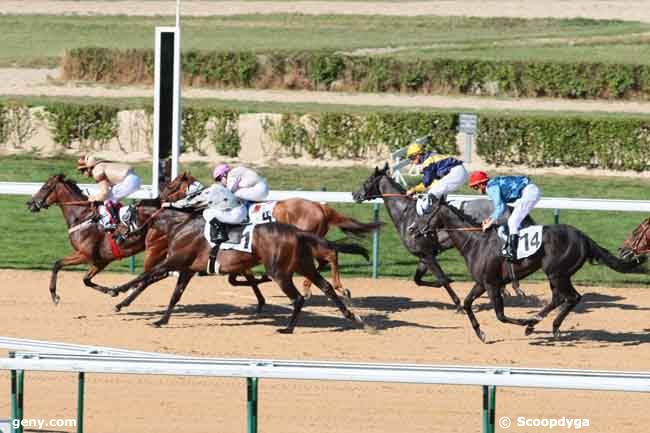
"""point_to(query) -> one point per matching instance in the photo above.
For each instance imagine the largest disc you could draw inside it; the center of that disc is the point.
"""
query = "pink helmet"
(220, 171)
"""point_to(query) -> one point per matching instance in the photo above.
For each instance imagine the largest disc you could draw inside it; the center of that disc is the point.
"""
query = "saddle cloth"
(530, 240)
(260, 213)
(240, 238)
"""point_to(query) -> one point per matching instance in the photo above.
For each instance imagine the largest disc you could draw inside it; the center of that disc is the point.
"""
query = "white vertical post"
(176, 119)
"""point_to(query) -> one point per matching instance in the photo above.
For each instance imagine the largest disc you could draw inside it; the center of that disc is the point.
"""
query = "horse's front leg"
(94, 270)
(494, 292)
(74, 259)
(145, 280)
(474, 294)
(432, 264)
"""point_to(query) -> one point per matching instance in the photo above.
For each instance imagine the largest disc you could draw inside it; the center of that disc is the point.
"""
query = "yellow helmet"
(414, 149)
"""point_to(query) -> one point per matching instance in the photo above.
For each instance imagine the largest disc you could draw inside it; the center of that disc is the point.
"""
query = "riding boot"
(513, 243)
(114, 212)
(218, 234)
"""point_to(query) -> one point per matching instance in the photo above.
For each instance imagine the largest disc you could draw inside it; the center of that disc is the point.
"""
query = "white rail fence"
(556, 203)
(58, 357)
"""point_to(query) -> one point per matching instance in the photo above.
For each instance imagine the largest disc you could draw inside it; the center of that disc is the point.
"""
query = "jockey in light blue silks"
(441, 174)
(507, 189)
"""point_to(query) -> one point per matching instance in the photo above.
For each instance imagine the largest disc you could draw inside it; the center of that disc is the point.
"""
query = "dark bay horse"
(637, 246)
(402, 212)
(564, 251)
(281, 248)
(90, 241)
(306, 215)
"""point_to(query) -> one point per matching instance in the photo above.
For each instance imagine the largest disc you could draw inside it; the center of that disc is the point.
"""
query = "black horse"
(402, 211)
(564, 250)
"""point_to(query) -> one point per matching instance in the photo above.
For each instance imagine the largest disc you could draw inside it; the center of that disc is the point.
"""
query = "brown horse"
(305, 214)
(90, 241)
(637, 246)
(92, 244)
(281, 248)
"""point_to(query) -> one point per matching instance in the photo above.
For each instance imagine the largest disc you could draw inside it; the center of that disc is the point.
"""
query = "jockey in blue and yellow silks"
(441, 174)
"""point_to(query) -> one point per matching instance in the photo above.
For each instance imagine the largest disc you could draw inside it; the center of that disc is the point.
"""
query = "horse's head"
(49, 194)
(370, 188)
(638, 244)
(183, 185)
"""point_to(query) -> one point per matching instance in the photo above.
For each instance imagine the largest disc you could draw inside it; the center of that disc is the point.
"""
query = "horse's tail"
(598, 254)
(320, 246)
(348, 225)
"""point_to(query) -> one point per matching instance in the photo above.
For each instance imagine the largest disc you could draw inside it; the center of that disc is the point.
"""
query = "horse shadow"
(276, 315)
(592, 301)
(575, 337)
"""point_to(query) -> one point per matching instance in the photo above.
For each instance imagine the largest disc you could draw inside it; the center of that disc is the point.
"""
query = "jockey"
(242, 181)
(115, 180)
(221, 208)
(441, 174)
(507, 189)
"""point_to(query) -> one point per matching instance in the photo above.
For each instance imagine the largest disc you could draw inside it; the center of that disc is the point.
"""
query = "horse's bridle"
(638, 239)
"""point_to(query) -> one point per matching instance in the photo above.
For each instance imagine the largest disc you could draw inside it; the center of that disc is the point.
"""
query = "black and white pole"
(167, 104)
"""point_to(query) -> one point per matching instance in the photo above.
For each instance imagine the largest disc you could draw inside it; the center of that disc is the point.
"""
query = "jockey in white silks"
(115, 181)
(220, 209)
(242, 181)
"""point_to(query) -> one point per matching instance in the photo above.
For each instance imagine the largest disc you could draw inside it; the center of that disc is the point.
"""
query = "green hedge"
(333, 71)
(609, 142)
(616, 143)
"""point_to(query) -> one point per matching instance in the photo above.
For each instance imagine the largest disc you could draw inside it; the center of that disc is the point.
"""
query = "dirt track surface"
(615, 9)
(610, 331)
(33, 82)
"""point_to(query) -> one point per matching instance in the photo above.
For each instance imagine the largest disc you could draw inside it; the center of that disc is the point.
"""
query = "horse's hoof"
(481, 336)
(347, 294)
(260, 308)
(112, 293)
(529, 329)
(56, 299)
(460, 309)
(158, 323)
(556, 333)
(117, 309)
(286, 331)
(307, 294)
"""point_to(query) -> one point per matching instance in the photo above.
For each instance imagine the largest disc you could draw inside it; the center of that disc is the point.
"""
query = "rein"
(387, 195)
(462, 229)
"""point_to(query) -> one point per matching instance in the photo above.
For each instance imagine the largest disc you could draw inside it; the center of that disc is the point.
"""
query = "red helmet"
(477, 178)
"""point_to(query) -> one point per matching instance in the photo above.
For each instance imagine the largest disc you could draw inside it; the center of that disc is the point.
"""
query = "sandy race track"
(610, 331)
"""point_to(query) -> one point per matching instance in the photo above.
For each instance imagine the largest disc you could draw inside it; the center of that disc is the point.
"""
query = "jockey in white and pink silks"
(223, 200)
(242, 181)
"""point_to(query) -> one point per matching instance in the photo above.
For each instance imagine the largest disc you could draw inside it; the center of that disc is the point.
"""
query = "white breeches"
(454, 180)
(128, 186)
(257, 192)
(235, 215)
(530, 195)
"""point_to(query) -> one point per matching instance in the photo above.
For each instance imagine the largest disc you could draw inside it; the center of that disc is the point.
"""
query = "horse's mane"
(71, 184)
(393, 182)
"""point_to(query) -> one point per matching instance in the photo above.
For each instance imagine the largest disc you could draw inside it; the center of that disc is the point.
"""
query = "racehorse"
(401, 209)
(563, 252)
(90, 241)
(92, 244)
(281, 248)
(305, 214)
(638, 244)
